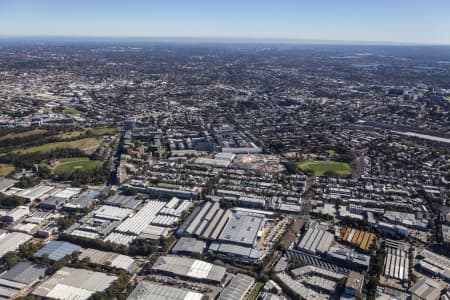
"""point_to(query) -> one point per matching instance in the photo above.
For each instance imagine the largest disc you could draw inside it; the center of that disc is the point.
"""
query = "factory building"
(69, 283)
(192, 269)
(189, 246)
(12, 241)
(56, 250)
(316, 241)
(146, 290)
(348, 258)
(17, 281)
(434, 264)
(16, 214)
(238, 288)
(112, 259)
(396, 264)
(425, 289)
(239, 237)
(205, 222)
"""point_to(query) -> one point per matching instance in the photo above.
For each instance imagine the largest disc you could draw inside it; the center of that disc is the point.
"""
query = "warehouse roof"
(237, 288)
(109, 258)
(69, 283)
(349, 256)
(6, 183)
(57, 250)
(206, 221)
(242, 229)
(299, 288)
(112, 212)
(12, 241)
(426, 289)
(122, 201)
(152, 291)
(35, 192)
(189, 245)
(316, 240)
(239, 251)
(188, 267)
(25, 272)
(137, 223)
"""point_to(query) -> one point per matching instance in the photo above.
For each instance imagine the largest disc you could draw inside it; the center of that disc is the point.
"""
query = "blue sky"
(416, 21)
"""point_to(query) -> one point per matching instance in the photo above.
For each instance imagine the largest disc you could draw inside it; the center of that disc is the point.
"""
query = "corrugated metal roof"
(237, 288)
(57, 250)
(25, 272)
(153, 291)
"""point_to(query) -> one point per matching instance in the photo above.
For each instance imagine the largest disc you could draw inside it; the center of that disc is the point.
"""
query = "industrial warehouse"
(239, 237)
(238, 288)
(192, 269)
(155, 219)
(231, 234)
(146, 290)
(109, 259)
(18, 280)
(316, 240)
(397, 260)
(205, 222)
(69, 283)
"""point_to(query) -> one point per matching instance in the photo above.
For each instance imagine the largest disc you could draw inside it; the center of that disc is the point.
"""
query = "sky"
(403, 21)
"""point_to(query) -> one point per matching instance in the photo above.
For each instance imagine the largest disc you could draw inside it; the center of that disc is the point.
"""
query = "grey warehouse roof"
(242, 229)
(25, 272)
(237, 288)
(189, 245)
(188, 267)
(57, 250)
(153, 291)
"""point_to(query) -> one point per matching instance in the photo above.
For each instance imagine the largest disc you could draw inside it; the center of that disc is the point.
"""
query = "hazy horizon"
(351, 21)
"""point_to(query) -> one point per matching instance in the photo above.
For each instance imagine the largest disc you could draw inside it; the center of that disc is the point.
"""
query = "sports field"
(70, 165)
(319, 168)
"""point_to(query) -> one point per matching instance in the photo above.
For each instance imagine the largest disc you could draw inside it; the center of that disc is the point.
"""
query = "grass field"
(70, 165)
(22, 134)
(6, 169)
(88, 145)
(93, 131)
(319, 168)
(103, 131)
(71, 134)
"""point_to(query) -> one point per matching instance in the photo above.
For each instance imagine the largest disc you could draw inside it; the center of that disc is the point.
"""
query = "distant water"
(344, 57)
(428, 68)
(365, 65)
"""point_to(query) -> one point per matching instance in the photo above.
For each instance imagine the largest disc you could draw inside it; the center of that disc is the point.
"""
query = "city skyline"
(412, 22)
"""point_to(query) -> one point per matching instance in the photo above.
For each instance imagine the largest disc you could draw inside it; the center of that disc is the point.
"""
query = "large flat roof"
(146, 290)
(12, 241)
(242, 229)
(69, 283)
(188, 267)
(57, 250)
(237, 288)
(25, 272)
